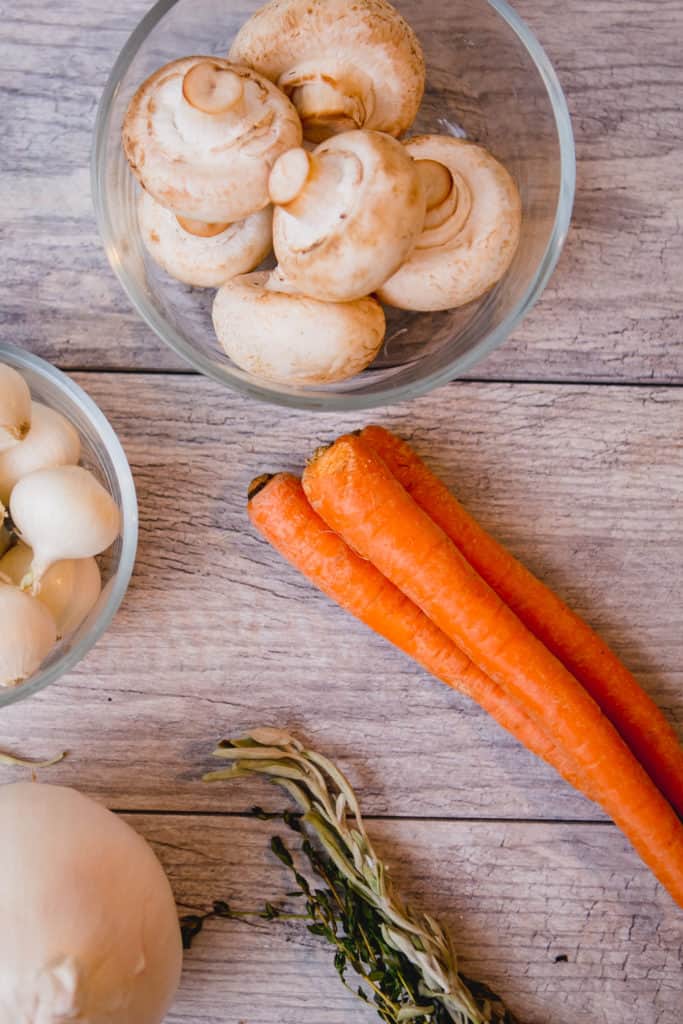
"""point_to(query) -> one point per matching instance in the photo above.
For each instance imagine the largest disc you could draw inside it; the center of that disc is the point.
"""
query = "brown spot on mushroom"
(154, 237)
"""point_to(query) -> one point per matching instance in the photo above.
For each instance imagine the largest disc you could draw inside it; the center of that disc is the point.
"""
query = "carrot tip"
(257, 484)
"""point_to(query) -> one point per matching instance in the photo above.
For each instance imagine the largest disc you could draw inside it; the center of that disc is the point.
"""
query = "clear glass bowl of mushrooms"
(333, 204)
(68, 524)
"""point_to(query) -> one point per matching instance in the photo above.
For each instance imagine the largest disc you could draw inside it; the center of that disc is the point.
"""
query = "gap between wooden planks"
(517, 898)
(217, 634)
(611, 312)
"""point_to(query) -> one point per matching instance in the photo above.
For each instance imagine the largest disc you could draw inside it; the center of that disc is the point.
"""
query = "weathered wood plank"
(217, 634)
(517, 899)
(612, 311)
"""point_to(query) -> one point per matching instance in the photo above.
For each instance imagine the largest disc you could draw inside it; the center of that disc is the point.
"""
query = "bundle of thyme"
(404, 960)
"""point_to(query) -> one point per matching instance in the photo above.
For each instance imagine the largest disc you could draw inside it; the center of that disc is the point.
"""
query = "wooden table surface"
(566, 443)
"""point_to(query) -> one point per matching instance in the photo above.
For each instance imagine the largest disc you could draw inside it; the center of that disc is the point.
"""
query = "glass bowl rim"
(129, 529)
(348, 401)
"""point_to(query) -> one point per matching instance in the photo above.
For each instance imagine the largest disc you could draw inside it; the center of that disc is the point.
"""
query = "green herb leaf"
(270, 912)
(404, 959)
(281, 851)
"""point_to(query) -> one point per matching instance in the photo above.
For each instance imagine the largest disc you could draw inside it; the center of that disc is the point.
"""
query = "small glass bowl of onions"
(66, 488)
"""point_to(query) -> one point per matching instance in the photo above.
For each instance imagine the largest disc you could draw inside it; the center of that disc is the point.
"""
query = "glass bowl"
(103, 455)
(488, 79)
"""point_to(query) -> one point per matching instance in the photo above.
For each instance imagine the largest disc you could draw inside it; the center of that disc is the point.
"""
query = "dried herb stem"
(404, 960)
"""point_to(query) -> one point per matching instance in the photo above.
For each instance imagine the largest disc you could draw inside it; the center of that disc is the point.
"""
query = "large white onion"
(89, 931)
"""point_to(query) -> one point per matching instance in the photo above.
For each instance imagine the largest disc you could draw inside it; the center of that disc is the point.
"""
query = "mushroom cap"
(208, 166)
(281, 336)
(457, 260)
(355, 219)
(362, 49)
(205, 262)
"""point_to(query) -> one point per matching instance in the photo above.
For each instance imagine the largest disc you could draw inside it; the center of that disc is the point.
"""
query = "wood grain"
(611, 312)
(217, 634)
(558, 919)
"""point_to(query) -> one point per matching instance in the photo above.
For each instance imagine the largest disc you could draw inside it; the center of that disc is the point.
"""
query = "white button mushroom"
(27, 636)
(200, 254)
(471, 230)
(345, 63)
(69, 589)
(15, 407)
(90, 929)
(346, 215)
(201, 136)
(281, 336)
(51, 441)
(63, 513)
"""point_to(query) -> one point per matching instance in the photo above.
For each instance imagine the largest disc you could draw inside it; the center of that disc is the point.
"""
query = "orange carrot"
(634, 715)
(352, 489)
(279, 510)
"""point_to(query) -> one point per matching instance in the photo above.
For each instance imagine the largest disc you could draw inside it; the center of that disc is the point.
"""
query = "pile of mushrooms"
(291, 143)
(55, 517)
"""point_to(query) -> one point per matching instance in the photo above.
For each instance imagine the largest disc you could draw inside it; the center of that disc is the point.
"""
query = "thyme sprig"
(404, 960)
(23, 762)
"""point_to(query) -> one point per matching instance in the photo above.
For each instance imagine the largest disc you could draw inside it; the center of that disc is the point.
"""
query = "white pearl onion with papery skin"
(69, 589)
(63, 513)
(15, 407)
(27, 636)
(51, 441)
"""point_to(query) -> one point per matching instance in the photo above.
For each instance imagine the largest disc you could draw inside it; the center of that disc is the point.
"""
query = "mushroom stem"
(449, 202)
(213, 89)
(325, 110)
(200, 228)
(307, 185)
(338, 100)
(289, 175)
